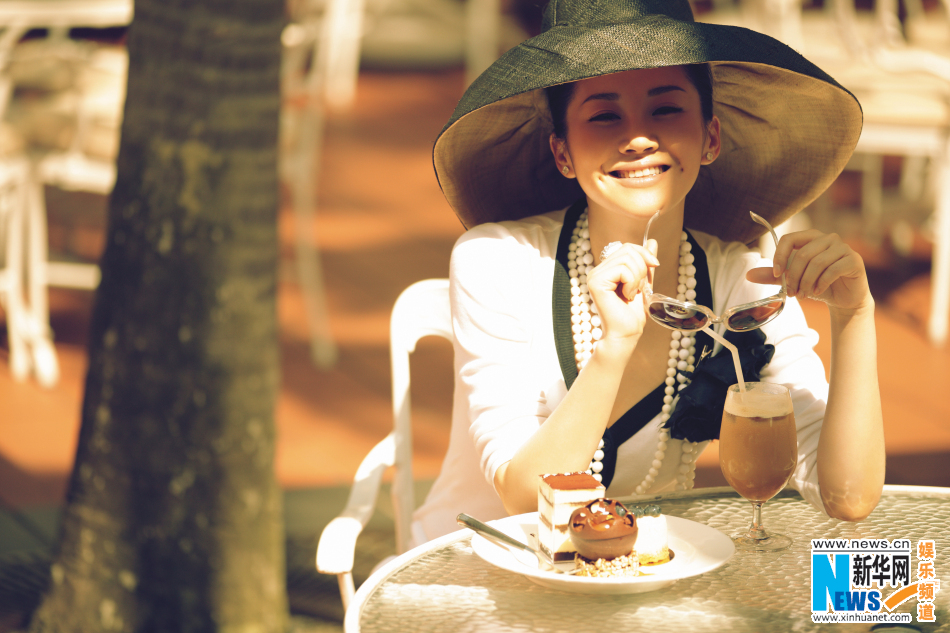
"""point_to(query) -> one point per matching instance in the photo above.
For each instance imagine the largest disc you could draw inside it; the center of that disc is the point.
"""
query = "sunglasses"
(686, 316)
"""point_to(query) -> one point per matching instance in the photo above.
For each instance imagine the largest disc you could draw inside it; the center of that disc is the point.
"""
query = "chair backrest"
(421, 310)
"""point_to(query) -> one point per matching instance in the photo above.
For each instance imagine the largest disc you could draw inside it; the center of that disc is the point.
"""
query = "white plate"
(697, 549)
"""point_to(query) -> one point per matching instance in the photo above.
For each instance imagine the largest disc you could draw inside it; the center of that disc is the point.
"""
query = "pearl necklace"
(586, 329)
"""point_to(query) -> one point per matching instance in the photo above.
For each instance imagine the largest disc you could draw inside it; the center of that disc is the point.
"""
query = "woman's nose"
(637, 142)
(637, 139)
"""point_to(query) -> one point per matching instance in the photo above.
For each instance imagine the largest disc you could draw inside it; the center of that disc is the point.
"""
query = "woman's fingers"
(621, 274)
(817, 264)
(810, 252)
(763, 276)
(652, 247)
(821, 266)
(626, 266)
(614, 286)
(844, 267)
(789, 243)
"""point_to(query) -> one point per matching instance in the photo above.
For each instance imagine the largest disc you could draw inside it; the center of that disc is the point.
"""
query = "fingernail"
(775, 270)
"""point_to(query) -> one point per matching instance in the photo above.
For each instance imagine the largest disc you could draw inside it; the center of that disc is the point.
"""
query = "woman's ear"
(561, 156)
(712, 144)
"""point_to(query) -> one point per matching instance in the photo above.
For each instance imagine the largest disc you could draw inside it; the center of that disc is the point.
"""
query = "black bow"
(698, 414)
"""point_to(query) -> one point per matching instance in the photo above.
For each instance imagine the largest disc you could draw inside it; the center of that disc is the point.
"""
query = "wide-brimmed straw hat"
(788, 128)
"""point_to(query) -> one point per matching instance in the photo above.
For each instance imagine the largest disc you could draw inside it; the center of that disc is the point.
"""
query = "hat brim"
(788, 129)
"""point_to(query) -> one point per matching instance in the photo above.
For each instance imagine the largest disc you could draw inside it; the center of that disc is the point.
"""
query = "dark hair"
(559, 96)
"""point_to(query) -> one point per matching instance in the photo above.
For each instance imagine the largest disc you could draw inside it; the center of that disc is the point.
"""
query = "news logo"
(865, 580)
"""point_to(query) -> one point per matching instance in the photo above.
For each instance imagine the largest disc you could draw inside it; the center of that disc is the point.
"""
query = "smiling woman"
(559, 368)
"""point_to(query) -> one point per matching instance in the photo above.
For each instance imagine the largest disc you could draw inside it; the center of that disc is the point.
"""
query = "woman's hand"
(820, 266)
(614, 286)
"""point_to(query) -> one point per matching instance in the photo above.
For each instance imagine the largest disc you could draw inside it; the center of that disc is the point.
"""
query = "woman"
(559, 368)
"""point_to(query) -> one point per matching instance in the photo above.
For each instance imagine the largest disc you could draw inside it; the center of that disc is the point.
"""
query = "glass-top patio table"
(444, 586)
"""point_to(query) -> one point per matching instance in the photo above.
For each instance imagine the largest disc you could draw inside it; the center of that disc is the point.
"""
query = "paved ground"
(383, 224)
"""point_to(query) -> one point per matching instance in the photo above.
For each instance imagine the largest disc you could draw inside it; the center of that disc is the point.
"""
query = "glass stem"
(756, 531)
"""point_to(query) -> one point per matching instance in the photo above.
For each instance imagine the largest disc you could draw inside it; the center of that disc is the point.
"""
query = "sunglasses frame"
(651, 298)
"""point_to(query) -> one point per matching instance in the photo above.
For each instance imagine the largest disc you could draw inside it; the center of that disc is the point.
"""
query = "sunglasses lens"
(756, 317)
(677, 317)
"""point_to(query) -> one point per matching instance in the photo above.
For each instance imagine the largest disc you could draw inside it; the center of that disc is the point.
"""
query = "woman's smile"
(638, 177)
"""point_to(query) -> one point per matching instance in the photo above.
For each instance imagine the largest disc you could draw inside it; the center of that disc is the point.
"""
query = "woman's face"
(635, 140)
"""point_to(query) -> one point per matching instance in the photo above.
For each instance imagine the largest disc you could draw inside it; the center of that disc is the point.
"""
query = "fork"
(489, 532)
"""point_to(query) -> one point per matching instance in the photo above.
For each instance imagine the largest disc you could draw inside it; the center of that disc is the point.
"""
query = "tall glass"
(758, 451)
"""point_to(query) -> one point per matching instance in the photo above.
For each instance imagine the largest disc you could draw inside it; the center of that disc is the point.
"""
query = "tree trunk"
(173, 515)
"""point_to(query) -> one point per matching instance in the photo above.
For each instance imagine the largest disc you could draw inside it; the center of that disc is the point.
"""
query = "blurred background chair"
(421, 310)
(14, 175)
(900, 72)
(928, 27)
(324, 44)
(337, 34)
(64, 98)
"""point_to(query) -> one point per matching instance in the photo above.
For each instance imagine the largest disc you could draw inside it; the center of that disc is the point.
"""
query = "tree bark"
(173, 518)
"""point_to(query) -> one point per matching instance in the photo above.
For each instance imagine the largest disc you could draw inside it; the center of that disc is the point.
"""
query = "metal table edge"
(351, 620)
(908, 489)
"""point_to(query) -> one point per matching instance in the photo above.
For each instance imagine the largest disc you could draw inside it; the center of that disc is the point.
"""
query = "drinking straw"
(735, 354)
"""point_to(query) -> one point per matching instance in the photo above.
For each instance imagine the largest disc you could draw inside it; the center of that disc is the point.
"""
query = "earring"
(709, 155)
(565, 170)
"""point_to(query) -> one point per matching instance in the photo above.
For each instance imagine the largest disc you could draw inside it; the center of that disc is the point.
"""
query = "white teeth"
(640, 173)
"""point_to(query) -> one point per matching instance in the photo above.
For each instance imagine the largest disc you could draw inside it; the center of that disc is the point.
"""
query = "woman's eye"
(667, 110)
(605, 116)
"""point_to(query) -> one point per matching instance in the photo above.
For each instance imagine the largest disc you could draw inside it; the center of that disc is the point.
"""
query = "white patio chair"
(335, 28)
(28, 332)
(99, 96)
(88, 164)
(72, 168)
(421, 310)
(14, 172)
(302, 124)
(928, 29)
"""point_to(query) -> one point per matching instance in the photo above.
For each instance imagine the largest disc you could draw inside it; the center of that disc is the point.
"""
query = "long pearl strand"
(586, 329)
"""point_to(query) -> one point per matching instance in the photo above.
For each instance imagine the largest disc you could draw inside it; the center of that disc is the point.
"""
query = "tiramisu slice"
(558, 497)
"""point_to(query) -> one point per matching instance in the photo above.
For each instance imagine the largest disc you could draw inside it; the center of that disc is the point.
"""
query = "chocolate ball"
(603, 529)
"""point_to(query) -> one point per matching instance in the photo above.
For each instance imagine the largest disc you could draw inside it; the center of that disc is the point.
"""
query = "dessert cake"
(558, 497)
(652, 541)
(604, 533)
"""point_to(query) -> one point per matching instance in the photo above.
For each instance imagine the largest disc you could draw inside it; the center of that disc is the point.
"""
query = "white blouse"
(509, 380)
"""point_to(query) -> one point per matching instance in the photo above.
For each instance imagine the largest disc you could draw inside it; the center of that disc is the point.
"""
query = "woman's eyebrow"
(613, 96)
(652, 92)
(602, 96)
